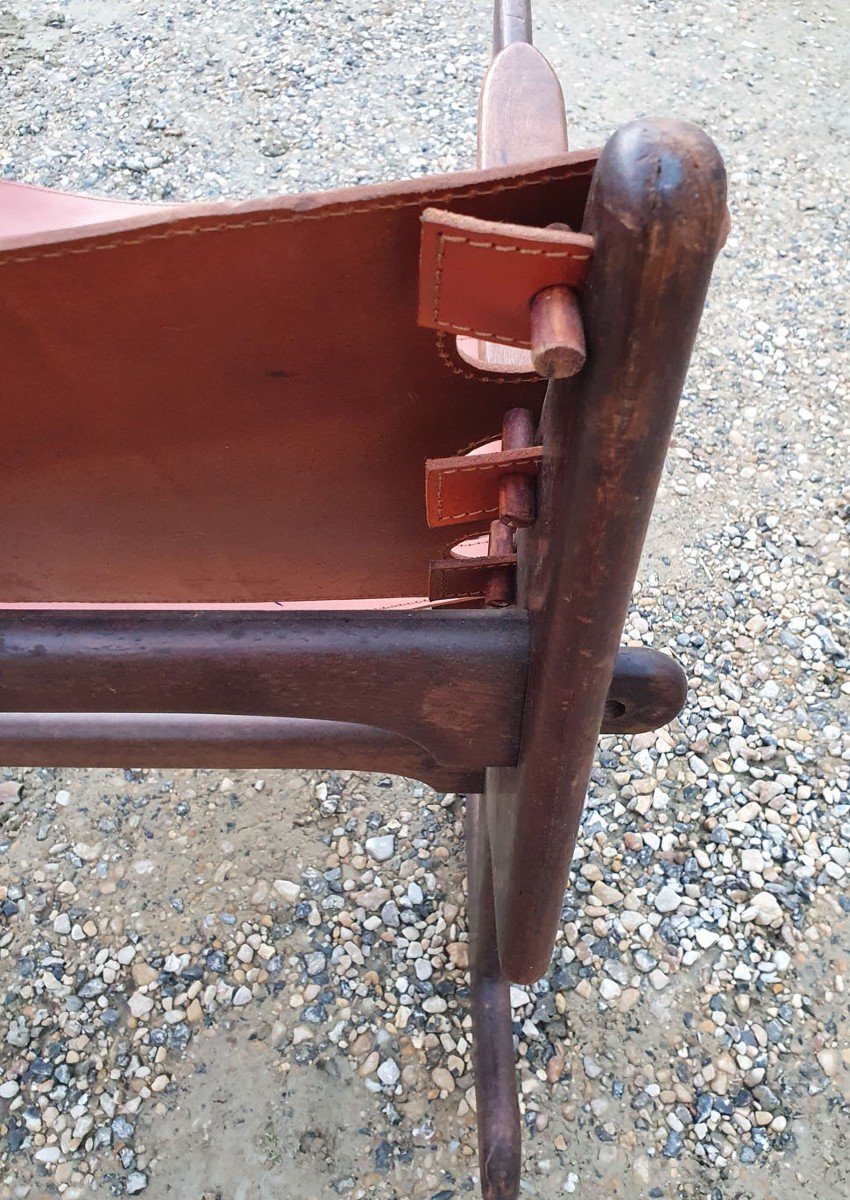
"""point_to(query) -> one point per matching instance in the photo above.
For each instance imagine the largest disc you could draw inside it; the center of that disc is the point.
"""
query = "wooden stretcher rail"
(403, 692)
(173, 740)
(452, 682)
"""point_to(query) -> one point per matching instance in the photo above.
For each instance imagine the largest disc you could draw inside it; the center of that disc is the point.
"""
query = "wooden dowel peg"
(557, 330)
(499, 584)
(557, 333)
(517, 493)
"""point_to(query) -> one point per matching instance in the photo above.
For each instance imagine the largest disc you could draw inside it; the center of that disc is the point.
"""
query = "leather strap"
(478, 277)
(460, 578)
(466, 488)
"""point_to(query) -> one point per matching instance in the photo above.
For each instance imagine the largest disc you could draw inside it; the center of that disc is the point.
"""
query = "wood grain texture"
(497, 1106)
(655, 209)
(451, 682)
(520, 109)
(207, 690)
(224, 742)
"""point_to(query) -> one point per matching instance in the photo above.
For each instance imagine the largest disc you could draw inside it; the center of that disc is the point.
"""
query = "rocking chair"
(215, 545)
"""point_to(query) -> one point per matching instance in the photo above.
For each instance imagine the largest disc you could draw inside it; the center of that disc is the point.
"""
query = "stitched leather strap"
(466, 488)
(457, 578)
(479, 277)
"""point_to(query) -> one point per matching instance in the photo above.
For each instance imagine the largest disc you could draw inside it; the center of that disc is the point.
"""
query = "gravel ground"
(255, 986)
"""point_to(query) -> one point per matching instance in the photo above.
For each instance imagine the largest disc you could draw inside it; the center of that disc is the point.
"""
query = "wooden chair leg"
(656, 210)
(497, 1105)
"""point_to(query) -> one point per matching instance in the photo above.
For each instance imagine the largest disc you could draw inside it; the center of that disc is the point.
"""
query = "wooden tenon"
(214, 549)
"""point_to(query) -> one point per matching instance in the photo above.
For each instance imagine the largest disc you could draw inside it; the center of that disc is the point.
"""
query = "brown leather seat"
(233, 402)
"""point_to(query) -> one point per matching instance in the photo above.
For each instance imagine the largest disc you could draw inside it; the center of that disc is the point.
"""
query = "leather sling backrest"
(233, 403)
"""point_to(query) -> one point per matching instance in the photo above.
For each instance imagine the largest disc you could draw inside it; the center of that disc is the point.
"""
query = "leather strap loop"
(478, 277)
(458, 578)
(465, 489)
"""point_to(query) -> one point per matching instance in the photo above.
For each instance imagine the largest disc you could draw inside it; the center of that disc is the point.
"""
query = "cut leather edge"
(152, 220)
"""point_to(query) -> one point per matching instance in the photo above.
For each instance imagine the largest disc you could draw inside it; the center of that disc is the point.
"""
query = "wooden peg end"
(557, 333)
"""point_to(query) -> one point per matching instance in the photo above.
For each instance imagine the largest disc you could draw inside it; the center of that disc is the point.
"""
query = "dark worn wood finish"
(189, 686)
(494, 1060)
(452, 682)
(517, 504)
(511, 23)
(449, 683)
(499, 581)
(648, 690)
(191, 740)
(656, 208)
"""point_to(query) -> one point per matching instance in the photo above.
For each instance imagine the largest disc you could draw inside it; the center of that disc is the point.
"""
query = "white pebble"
(140, 1004)
(609, 990)
(388, 1073)
(48, 1154)
(381, 848)
(668, 899)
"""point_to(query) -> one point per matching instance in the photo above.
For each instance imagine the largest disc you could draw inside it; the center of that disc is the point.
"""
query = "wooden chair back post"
(657, 214)
(656, 211)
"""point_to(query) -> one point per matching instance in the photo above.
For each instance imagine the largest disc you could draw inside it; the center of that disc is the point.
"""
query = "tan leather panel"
(28, 212)
(233, 402)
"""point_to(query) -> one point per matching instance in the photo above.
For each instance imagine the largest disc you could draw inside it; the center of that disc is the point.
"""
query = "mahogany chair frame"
(505, 703)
